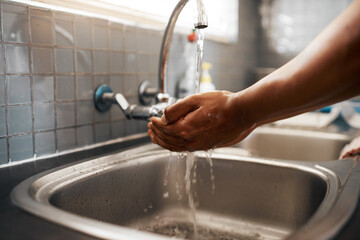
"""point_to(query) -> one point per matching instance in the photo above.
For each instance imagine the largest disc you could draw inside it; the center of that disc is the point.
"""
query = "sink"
(293, 144)
(141, 194)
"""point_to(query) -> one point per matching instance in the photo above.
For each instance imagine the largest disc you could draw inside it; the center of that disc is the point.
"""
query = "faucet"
(104, 97)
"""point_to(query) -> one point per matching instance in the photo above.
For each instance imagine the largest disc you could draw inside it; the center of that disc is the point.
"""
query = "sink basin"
(294, 144)
(141, 194)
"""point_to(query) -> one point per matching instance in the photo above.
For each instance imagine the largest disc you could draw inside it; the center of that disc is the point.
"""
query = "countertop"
(17, 224)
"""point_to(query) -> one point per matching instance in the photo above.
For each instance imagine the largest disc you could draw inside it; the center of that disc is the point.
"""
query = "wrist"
(243, 110)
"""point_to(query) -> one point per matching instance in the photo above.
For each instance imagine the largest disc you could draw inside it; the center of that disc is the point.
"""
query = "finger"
(167, 138)
(151, 135)
(165, 145)
(178, 110)
(172, 129)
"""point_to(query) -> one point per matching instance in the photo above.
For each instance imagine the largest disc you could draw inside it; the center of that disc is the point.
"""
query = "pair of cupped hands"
(210, 120)
(200, 122)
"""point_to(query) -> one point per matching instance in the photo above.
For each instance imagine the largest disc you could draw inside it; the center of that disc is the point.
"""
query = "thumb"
(178, 110)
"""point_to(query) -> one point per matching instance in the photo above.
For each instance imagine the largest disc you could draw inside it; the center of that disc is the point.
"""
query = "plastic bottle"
(206, 84)
(186, 85)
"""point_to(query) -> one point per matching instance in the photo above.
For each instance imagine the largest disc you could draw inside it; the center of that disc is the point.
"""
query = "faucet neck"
(168, 34)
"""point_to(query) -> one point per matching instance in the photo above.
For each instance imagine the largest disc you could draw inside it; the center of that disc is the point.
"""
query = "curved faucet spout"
(165, 46)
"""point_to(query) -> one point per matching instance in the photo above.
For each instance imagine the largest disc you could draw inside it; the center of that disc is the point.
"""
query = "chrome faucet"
(104, 97)
(146, 91)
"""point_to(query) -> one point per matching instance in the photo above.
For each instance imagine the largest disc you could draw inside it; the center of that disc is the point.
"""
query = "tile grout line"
(92, 77)
(31, 83)
(75, 85)
(109, 73)
(54, 92)
(5, 87)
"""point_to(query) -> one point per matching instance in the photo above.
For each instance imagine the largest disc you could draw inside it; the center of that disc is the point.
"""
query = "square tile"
(155, 39)
(15, 8)
(85, 112)
(85, 135)
(144, 63)
(154, 63)
(15, 27)
(84, 87)
(43, 88)
(2, 61)
(83, 61)
(130, 39)
(45, 143)
(118, 129)
(101, 62)
(64, 60)
(44, 116)
(142, 126)
(116, 62)
(3, 151)
(19, 89)
(64, 16)
(2, 121)
(21, 147)
(83, 33)
(98, 80)
(131, 85)
(40, 12)
(42, 60)
(64, 33)
(19, 119)
(65, 115)
(17, 59)
(117, 83)
(143, 38)
(130, 62)
(2, 90)
(102, 116)
(66, 139)
(41, 30)
(65, 88)
(131, 127)
(102, 132)
(116, 113)
(101, 36)
(116, 39)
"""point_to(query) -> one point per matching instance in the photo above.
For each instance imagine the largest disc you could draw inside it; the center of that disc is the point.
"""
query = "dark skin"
(326, 72)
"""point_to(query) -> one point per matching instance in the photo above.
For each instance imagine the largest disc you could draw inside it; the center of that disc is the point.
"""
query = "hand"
(200, 122)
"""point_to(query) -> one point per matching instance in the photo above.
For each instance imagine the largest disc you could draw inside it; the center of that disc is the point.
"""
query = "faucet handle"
(147, 92)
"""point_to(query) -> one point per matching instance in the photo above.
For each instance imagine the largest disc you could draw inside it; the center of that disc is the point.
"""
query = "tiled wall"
(50, 63)
(287, 26)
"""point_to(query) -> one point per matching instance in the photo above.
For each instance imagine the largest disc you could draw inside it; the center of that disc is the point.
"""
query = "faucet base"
(100, 104)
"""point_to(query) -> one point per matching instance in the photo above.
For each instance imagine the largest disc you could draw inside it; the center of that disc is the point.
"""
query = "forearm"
(327, 71)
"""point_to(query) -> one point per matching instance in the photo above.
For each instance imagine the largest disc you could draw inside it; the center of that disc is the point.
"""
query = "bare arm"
(326, 72)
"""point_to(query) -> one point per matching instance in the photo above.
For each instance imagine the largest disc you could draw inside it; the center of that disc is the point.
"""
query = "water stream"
(190, 175)
(200, 35)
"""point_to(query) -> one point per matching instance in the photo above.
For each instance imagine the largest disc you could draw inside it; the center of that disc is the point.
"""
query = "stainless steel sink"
(141, 194)
(294, 144)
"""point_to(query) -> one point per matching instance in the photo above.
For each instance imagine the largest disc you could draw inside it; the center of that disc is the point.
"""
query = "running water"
(199, 57)
(190, 162)
(190, 175)
(212, 177)
(166, 177)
